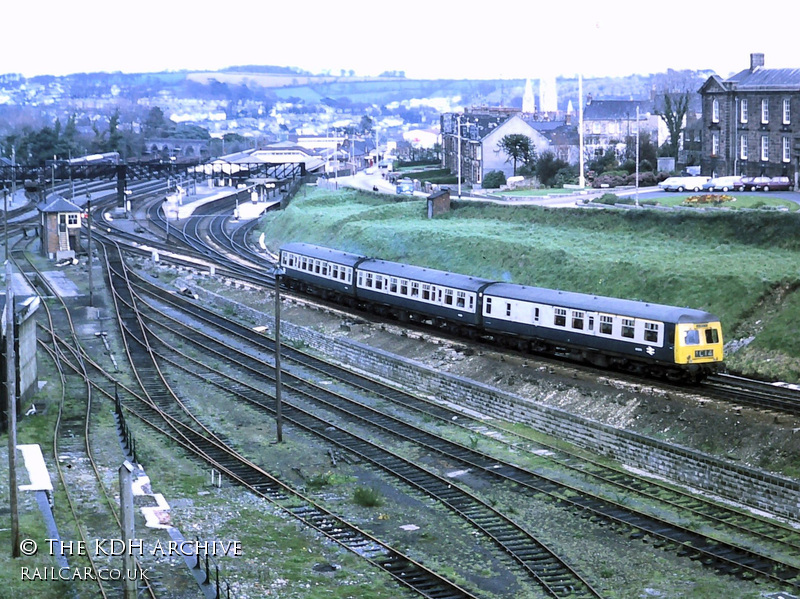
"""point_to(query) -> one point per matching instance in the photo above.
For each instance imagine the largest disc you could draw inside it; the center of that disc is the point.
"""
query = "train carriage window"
(335, 271)
(361, 279)
(403, 287)
(438, 295)
(471, 302)
(488, 305)
(508, 309)
(560, 319)
(591, 323)
(577, 320)
(536, 315)
(324, 269)
(426, 291)
(393, 285)
(316, 266)
(606, 325)
(448, 297)
(346, 275)
(304, 264)
(651, 332)
(712, 336)
(692, 337)
(627, 328)
(460, 299)
(378, 282)
(369, 279)
(414, 289)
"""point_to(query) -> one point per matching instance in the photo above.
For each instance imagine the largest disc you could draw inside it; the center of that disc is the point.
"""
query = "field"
(742, 266)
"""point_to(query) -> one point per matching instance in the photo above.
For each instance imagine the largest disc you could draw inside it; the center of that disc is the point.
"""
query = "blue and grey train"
(657, 340)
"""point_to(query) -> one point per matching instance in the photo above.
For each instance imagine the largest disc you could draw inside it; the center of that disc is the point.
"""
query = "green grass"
(725, 262)
(742, 201)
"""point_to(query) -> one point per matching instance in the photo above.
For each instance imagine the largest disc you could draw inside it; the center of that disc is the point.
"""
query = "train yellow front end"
(698, 347)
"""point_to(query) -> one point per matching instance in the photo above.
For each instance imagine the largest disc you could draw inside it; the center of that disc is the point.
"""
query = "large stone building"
(481, 131)
(751, 123)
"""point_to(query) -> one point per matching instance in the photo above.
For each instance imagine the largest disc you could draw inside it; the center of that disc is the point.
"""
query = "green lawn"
(740, 200)
(726, 262)
(532, 192)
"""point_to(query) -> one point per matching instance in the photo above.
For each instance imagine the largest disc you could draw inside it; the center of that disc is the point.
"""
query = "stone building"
(751, 123)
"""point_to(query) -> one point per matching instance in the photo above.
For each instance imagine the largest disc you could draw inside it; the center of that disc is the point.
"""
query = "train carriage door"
(439, 295)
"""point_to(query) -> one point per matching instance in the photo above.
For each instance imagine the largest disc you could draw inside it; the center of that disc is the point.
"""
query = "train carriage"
(412, 292)
(607, 331)
(320, 270)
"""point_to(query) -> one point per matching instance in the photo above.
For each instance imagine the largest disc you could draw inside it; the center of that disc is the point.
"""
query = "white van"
(684, 183)
(724, 184)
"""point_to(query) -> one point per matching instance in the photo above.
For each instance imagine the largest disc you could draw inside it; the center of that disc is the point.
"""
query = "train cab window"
(577, 320)
(627, 328)
(461, 299)
(378, 282)
(560, 318)
(651, 332)
(448, 297)
(606, 325)
(403, 287)
(692, 337)
(426, 292)
(488, 305)
(393, 285)
(712, 336)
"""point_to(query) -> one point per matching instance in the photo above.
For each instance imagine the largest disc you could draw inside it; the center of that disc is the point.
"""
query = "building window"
(743, 147)
(715, 111)
(743, 111)
(787, 149)
(72, 220)
(715, 144)
(787, 111)
(765, 147)
(765, 111)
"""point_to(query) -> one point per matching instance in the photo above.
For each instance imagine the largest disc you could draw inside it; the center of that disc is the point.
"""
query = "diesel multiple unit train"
(664, 341)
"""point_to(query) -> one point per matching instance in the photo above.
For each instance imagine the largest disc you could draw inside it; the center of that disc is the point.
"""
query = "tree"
(673, 114)
(548, 166)
(518, 147)
(494, 179)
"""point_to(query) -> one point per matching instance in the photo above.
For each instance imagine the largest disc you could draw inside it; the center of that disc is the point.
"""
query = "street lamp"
(278, 273)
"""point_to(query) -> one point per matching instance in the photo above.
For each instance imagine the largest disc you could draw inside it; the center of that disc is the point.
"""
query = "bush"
(494, 179)
(607, 198)
(368, 497)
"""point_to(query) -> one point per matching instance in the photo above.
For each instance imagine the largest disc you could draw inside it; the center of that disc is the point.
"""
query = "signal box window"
(560, 319)
(627, 328)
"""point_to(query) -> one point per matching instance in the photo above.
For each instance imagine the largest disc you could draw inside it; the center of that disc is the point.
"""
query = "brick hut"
(61, 228)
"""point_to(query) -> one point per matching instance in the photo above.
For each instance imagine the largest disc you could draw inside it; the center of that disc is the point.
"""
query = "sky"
(424, 38)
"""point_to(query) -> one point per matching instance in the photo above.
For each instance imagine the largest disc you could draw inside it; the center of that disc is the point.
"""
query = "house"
(480, 135)
(751, 123)
(608, 123)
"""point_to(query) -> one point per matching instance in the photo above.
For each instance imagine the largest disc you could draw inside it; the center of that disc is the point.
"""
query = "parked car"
(767, 183)
(684, 183)
(724, 184)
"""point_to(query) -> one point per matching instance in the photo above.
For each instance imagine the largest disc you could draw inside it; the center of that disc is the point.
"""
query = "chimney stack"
(756, 61)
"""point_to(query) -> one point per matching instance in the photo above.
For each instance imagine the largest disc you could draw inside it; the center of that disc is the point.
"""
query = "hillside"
(740, 266)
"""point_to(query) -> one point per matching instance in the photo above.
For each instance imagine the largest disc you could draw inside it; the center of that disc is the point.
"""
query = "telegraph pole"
(278, 416)
(89, 228)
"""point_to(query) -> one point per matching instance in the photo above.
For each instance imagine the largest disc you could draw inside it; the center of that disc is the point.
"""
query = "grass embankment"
(741, 266)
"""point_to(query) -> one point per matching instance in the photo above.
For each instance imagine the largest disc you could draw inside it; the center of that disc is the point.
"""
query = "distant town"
(484, 131)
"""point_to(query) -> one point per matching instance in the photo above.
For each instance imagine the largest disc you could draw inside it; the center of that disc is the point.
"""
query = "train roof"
(425, 275)
(322, 253)
(599, 303)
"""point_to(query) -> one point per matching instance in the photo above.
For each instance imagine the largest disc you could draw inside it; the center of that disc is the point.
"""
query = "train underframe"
(692, 373)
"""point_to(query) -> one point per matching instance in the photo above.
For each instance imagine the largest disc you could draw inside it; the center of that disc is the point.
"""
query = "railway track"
(726, 555)
(162, 409)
